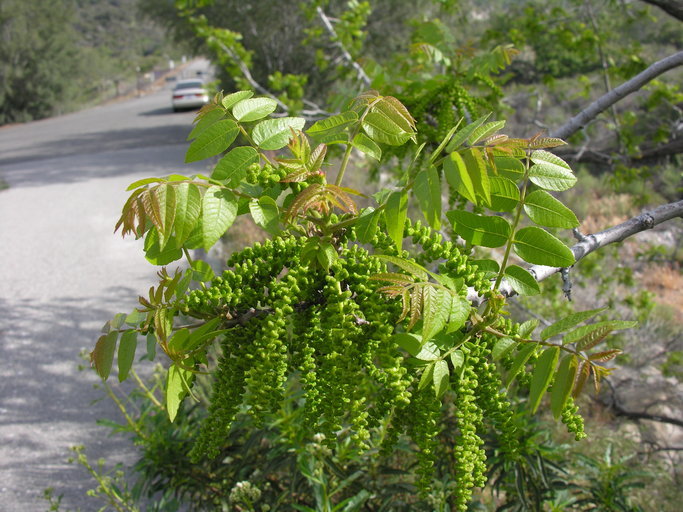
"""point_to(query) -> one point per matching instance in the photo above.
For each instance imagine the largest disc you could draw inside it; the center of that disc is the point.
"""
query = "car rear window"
(190, 85)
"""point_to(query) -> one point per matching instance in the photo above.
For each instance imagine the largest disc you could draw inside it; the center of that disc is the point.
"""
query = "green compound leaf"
(126, 354)
(458, 178)
(326, 130)
(213, 140)
(483, 230)
(366, 145)
(539, 247)
(232, 168)
(562, 386)
(462, 135)
(157, 256)
(427, 377)
(103, 354)
(166, 199)
(441, 377)
(466, 172)
(568, 322)
(436, 310)
(509, 167)
(366, 225)
(484, 131)
(266, 213)
(521, 357)
(253, 109)
(211, 117)
(384, 130)
(274, 134)
(219, 209)
(502, 348)
(176, 389)
(521, 280)
(188, 201)
(427, 189)
(504, 194)
(231, 99)
(411, 343)
(550, 172)
(545, 210)
(543, 374)
(395, 214)
(587, 336)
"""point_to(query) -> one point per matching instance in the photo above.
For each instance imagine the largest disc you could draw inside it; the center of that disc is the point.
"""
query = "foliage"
(320, 311)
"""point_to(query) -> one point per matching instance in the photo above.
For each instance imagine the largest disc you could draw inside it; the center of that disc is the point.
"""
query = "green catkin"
(573, 420)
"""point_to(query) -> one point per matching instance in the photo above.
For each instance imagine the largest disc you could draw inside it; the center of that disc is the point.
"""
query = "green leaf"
(484, 131)
(126, 354)
(157, 256)
(527, 328)
(562, 386)
(366, 145)
(395, 214)
(145, 181)
(219, 209)
(568, 322)
(441, 376)
(522, 356)
(509, 167)
(542, 376)
(366, 225)
(176, 389)
(458, 359)
(427, 377)
(205, 121)
(231, 99)
(483, 230)
(212, 141)
(103, 354)
(382, 129)
(502, 348)
(504, 194)
(461, 136)
(539, 247)
(188, 201)
(427, 188)
(436, 309)
(202, 271)
(151, 346)
(331, 126)
(266, 214)
(166, 197)
(550, 172)
(587, 336)
(521, 280)
(326, 255)
(458, 178)
(232, 168)
(409, 266)
(545, 210)
(411, 343)
(274, 134)
(488, 266)
(253, 109)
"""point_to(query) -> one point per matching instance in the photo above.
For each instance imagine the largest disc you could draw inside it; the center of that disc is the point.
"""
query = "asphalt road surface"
(63, 274)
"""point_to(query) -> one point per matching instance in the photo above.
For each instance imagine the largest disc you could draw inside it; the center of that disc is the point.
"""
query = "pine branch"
(362, 76)
(607, 100)
(591, 243)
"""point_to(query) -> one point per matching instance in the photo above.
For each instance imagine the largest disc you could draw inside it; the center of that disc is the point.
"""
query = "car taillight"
(177, 96)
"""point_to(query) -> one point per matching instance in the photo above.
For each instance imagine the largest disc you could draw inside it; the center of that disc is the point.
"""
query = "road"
(64, 273)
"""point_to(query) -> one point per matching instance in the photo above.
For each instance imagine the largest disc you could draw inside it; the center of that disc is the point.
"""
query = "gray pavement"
(63, 273)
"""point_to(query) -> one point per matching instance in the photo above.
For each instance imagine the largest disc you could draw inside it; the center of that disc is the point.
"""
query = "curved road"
(64, 273)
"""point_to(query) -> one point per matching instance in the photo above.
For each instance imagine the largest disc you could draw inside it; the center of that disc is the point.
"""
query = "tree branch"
(362, 76)
(607, 100)
(591, 243)
(672, 7)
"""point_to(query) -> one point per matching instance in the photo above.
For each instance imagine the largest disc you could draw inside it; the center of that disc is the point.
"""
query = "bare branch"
(607, 100)
(672, 7)
(591, 243)
(362, 76)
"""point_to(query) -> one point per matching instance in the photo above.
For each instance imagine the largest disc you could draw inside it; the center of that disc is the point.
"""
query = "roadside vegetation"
(59, 55)
(358, 214)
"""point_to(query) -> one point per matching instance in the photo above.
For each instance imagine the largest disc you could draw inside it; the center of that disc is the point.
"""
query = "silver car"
(189, 93)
